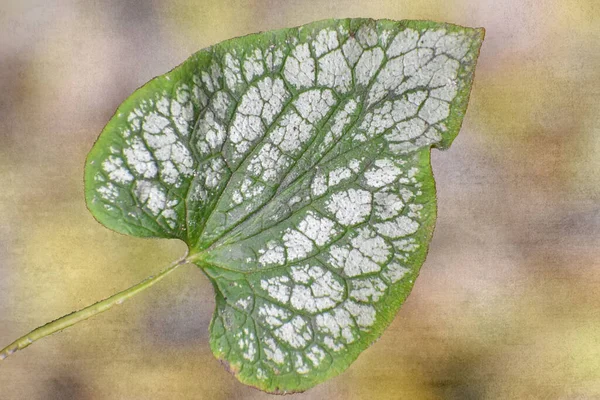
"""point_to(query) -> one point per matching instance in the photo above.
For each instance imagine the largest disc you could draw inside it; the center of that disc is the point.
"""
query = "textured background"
(507, 304)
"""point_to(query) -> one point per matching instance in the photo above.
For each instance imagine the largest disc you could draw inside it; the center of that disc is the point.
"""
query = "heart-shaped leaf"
(296, 166)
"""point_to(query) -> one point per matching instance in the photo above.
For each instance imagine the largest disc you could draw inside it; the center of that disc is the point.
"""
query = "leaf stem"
(87, 312)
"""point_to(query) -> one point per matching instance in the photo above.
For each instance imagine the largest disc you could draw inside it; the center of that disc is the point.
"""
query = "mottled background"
(507, 305)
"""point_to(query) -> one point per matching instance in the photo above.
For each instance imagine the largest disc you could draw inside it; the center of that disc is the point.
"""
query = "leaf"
(296, 166)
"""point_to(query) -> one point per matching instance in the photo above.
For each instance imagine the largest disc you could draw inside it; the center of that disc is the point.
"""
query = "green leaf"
(296, 166)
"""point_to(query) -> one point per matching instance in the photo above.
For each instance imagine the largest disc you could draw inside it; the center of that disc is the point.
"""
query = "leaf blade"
(302, 181)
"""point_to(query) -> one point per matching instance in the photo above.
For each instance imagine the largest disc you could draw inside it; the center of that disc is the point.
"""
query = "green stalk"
(87, 312)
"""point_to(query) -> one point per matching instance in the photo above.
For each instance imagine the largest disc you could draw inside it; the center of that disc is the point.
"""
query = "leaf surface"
(296, 166)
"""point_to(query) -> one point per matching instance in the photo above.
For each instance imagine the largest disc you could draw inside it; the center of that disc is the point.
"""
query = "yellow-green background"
(508, 302)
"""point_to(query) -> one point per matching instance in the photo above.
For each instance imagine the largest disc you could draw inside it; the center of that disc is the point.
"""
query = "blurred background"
(508, 302)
